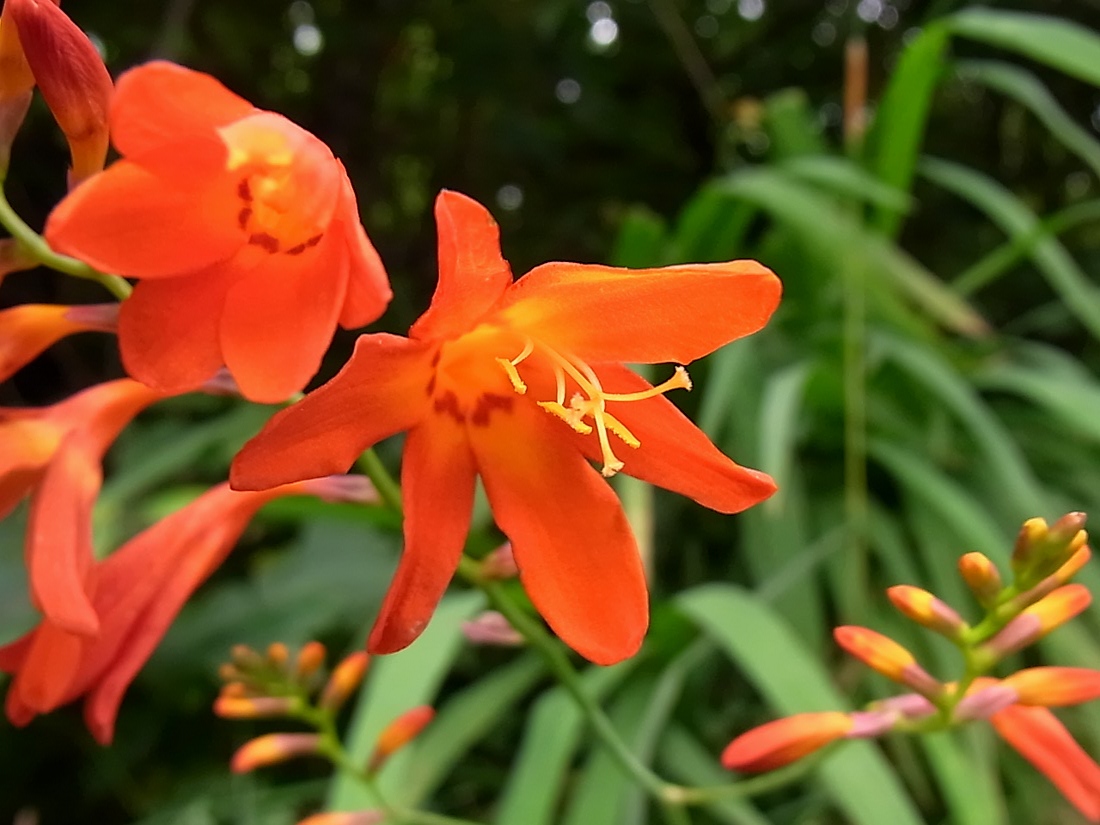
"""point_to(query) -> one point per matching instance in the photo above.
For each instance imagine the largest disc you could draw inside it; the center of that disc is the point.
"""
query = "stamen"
(566, 414)
(509, 366)
(680, 380)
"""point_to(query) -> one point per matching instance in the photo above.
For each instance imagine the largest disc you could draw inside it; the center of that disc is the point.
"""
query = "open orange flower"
(243, 227)
(521, 383)
(136, 593)
(56, 452)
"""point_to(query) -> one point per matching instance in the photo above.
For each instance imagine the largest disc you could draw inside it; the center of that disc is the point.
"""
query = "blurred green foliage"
(929, 382)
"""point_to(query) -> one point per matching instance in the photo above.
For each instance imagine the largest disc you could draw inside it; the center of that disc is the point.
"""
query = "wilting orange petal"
(674, 453)
(1055, 686)
(1044, 742)
(279, 319)
(472, 273)
(381, 390)
(169, 330)
(437, 485)
(577, 557)
(784, 741)
(160, 102)
(138, 224)
(368, 291)
(673, 314)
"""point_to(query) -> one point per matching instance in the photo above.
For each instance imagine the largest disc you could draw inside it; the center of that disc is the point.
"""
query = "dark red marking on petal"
(244, 191)
(486, 404)
(244, 216)
(448, 403)
(268, 243)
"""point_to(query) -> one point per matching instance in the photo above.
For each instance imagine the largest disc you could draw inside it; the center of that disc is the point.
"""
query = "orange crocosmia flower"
(27, 330)
(522, 383)
(56, 452)
(242, 226)
(785, 740)
(135, 593)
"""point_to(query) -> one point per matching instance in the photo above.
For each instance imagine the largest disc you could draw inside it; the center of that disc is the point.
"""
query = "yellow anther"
(513, 375)
(617, 427)
(570, 416)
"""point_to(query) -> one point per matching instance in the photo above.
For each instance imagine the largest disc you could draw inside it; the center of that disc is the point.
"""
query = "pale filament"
(594, 405)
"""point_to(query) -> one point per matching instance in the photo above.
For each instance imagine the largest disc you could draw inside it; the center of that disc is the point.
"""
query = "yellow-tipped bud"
(1037, 621)
(345, 678)
(274, 748)
(982, 577)
(399, 733)
(253, 707)
(278, 654)
(927, 610)
(310, 659)
(783, 741)
(1054, 686)
(886, 656)
(1040, 550)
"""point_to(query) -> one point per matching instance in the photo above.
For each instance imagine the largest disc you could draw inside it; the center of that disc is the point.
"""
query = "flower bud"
(278, 654)
(1038, 620)
(345, 678)
(274, 748)
(492, 628)
(1054, 687)
(71, 76)
(927, 610)
(783, 741)
(253, 707)
(1040, 551)
(981, 576)
(353, 489)
(28, 330)
(372, 817)
(1052, 582)
(399, 733)
(500, 564)
(984, 702)
(886, 656)
(310, 659)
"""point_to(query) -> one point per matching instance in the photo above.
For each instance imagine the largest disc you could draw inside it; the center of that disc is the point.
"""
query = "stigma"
(588, 401)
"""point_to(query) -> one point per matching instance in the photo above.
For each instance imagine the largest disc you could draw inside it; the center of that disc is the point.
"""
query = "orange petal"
(45, 677)
(784, 741)
(437, 485)
(279, 319)
(168, 329)
(26, 446)
(675, 313)
(576, 555)
(142, 224)
(59, 538)
(160, 102)
(472, 273)
(381, 390)
(674, 453)
(1044, 742)
(369, 290)
(13, 654)
(1055, 686)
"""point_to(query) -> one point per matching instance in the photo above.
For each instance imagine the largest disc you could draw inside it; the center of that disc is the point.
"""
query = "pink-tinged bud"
(399, 733)
(1055, 687)
(491, 628)
(1037, 621)
(71, 76)
(783, 741)
(500, 564)
(28, 330)
(274, 748)
(984, 702)
(1051, 583)
(886, 656)
(909, 705)
(981, 576)
(350, 489)
(345, 678)
(1040, 551)
(869, 724)
(927, 610)
(372, 817)
(310, 659)
(259, 707)
(278, 654)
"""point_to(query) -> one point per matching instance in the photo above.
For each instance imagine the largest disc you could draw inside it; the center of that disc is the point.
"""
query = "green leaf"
(840, 176)
(1059, 43)
(856, 776)
(395, 684)
(641, 240)
(1023, 87)
(792, 125)
(1080, 296)
(897, 131)
(687, 761)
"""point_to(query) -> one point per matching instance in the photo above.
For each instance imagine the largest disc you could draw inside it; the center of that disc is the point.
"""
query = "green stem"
(384, 483)
(745, 788)
(37, 248)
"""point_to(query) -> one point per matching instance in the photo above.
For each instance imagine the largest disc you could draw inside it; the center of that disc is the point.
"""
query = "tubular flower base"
(523, 384)
(135, 594)
(28, 330)
(243, 227)
(56, 453)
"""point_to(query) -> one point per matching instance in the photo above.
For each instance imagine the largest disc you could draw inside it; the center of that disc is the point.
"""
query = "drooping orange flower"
(242, 226)
(40, 44)
(56, 452)
(135, 594)
(27, 330)
(522, 384)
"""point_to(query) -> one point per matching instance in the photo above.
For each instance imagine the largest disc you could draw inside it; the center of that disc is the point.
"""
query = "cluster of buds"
(276, 685)
(1038, 600)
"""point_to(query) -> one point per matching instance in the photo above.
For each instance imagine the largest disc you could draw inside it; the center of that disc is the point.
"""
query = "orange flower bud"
(1045, 615)
(253, 707)
(371, 817)
(886, 656)
(71, 76)
(27, 330)
(1052, 582)
(981, 576)
(1054, 686)
(278, 655)
(1040, 551)
(927, 610)
(274, 748)
(235, 690)
(310, 659)
(783, 741)
(399, 733)
(345, 678)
